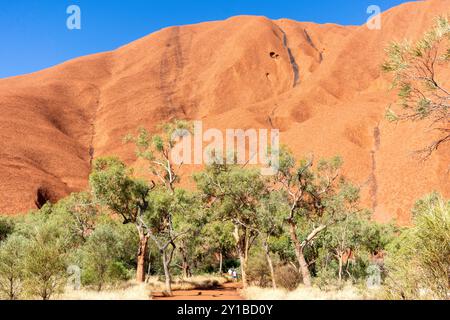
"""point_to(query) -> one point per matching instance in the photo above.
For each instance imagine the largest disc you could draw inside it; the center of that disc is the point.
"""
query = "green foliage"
(232, 194)
(45, 260)
(317, 197)
(271, 213)
(418, 261)
(417, 69)
(236, 191)
(80, 214)
(150, 147)
(114, 187)
(347, 248)
(156, 149)
(6, 227)
(258, 270)
(11, 267)
(102, 256)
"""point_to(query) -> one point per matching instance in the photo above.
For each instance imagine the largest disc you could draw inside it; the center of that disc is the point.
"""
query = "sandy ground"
(228, 291)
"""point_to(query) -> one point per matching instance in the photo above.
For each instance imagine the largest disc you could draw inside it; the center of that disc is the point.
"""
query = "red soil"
(229, 291)
(225, 73)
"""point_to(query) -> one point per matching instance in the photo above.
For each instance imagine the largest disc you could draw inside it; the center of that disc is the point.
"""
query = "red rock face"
(321, 85)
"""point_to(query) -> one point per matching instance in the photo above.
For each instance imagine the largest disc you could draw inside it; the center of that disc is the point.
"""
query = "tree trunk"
(140, 270)
(185, 264)
(149, 267)
(243, 269)
(340, 267)
(270, 264)
(303, 265)
(220, 263)
(168, 279)
(240, 246)
(12, 296)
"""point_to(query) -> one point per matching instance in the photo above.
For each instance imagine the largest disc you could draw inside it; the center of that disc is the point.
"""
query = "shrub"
(258, 270)
(6, 228)
(418, 262)
(11, 271)
(45, 262)
(101, 256)
(287, 277)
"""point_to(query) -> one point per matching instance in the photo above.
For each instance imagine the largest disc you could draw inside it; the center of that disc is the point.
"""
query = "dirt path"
(229, 291)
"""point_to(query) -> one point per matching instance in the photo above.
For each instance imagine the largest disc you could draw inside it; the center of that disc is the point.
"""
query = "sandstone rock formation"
(321, 85)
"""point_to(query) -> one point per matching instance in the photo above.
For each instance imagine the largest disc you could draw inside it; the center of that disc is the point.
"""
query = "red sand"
(55, 120)
(229, 291)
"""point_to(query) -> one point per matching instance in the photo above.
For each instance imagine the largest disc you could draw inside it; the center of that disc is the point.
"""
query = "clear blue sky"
(34, 36)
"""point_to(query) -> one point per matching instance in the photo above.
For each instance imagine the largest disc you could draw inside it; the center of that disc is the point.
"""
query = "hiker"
(235, 276)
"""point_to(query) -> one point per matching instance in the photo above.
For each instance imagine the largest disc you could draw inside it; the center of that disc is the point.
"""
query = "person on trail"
(235, 276)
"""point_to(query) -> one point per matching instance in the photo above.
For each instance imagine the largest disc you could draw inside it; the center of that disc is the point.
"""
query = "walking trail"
(228, 291)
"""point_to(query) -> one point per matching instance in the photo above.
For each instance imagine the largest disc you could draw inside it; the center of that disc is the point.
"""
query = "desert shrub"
(128, 242)
(45, 259)
(287, 277)
(79, 213)
(418, 261)
(11, 267)
(258, 270)
(6, 227)
(101, 257)
(326, 277)
(348, 248)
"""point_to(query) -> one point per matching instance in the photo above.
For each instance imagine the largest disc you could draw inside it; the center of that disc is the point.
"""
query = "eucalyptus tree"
(317, 196)
(157, 151)
(272, 211)
(420, 70)
(233, 193)
(114, 186)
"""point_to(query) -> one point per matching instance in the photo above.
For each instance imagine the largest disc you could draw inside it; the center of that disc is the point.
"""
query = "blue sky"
(34, 36)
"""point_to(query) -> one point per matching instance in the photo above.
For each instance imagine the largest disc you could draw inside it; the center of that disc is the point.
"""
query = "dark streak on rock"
(311, 43)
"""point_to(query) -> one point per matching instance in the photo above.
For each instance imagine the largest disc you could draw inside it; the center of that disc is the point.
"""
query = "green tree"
(216, 238)
(418, 261)
(157, 150)
(171, 219)
(101, 255)
(11, 267)
(114, 186)
(317, 198)
(82, 213)
(347, 247)
(233, 194)
(188, 221)
(419, 70)
(45, 260)
(271, 214)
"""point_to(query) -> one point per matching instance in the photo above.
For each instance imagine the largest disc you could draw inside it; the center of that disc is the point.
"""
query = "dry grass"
(195, 282)
(128, 291)
(304, 293)
(137, 291)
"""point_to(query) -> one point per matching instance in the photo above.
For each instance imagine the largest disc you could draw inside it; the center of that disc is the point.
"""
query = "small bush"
(45, 263)
(287, 277)
(418, 262)
(11, 267)
(102, 256)
(6, 228)
(258, 272)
